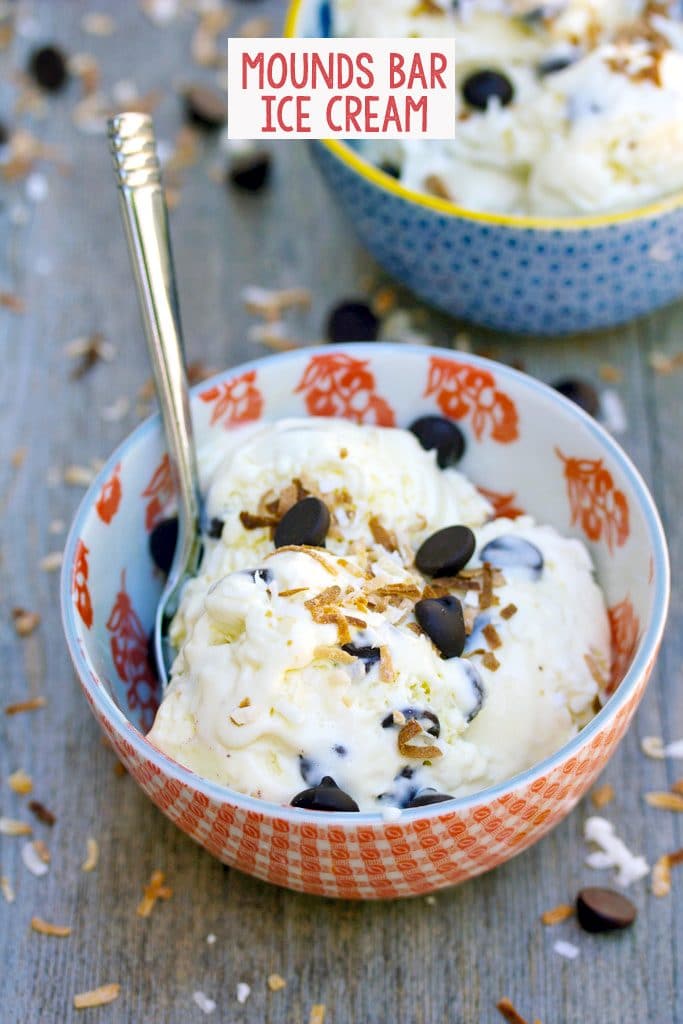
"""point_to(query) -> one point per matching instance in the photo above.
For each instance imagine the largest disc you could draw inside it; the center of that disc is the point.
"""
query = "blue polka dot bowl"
(530, 275)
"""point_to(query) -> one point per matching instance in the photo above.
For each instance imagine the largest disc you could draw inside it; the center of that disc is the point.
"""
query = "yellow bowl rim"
(342, 151)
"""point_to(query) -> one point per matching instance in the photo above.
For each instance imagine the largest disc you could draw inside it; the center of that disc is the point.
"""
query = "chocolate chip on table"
(4, 134)
(603, 910)
(418, 714)
(446, 552)
(307, 523)
(327, 796)
(443, 435)
(427, 797)
(352, 321)
(162, 542)
(368, 655)
(512, 552)
(215, 528)
(48, 67)
(442, 620)
(250, 173)
(581, 392)
(392, 170)
(204, 107)
(481, 87)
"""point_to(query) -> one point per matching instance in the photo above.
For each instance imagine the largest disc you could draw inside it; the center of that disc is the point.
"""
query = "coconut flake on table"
(33, 861)
(205, 1004)
(566, 949)
(612, 412)
(613, 852)
(654, 746)
(243, 991)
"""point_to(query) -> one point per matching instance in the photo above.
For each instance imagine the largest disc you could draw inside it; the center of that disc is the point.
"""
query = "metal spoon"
(145, 219)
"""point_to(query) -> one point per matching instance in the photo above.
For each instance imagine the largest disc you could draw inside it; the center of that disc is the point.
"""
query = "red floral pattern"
(235, 401)
(503, 504)
(339, 385)
(129, 652)
(160, 492)
(596, 504)
(79, 584)
(625, 632)
(469, 392)
(107, 505)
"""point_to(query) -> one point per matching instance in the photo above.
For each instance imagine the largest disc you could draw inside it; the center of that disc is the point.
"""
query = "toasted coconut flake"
(273, 334)
(120, 769)
(317, 1014)
(334, 654)
(271, 304)
(85, 67)
(42, 813)
(204, 47)
(508, 611)
(384, 301)
(89, 351)
(92, 854)
(398, 717)
(602, 796)
(254, 28)
(490, 661)
(653, 746)
(51, 562)
(6, 889)
(13, 827)
(95, 23)
(41, 849)
(387, 672)
(79, 476)
(676, 857)
(18, 457)
(492, 636)
(661, 363)
(293, 591)
(251, 522)
(508, 1011)
(156, 890)
(435, 185)
(410, 731)
(598, 668)
(97, 996)
(611, 374)
(386, 538)
(486, 599)
(60, 931)
(20, 782)
(415, 628)
(276, 982)
(560, 913)
(14, 303)
(25, 622)
(661, 876)
(665, 801)
(32, 860)
(677, 787)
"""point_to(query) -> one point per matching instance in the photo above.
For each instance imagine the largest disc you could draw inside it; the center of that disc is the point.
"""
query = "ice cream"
(425, 650)
(564, 108)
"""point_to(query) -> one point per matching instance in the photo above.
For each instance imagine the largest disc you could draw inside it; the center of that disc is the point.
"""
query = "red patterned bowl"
(529, 449)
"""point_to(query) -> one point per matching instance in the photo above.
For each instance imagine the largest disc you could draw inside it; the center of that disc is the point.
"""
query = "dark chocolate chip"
(4, 134)
(352, 321)
(327, 796)
(48, 67)
(307, 522)
(442, 434)
(215, 528)
(252, 173)
(581, 393)
(310, 770)
(427, 797)
(446, 552)
(481, 87)
(368, 655)
(339, 750)
(442, 620)
(603, 910)
(479, 690)
(162, 542)
(392, 170)
(403, 789)
(418, 714)
(512, 552)
(551, 65)
(206, 108)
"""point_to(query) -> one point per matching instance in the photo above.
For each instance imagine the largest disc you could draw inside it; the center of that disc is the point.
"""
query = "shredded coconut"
(32, 860)
(566, 949)
(243, 991)
(613, 852)
(205, 1004)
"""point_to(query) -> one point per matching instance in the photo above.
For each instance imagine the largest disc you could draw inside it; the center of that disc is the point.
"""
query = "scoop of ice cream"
(304, 663)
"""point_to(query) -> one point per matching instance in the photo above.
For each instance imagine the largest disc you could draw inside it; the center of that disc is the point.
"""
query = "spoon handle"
(145, 218)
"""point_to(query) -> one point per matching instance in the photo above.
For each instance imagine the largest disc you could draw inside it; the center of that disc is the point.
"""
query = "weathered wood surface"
(403, 962)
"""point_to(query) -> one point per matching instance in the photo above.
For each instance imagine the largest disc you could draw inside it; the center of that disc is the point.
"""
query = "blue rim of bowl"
(648, 648)
(343, 152)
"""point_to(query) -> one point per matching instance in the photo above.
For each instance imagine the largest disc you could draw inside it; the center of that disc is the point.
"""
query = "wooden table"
(444, 960)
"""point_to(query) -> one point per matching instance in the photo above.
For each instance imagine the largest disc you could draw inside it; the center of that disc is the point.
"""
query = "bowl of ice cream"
(558, 206)
(408, 652)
